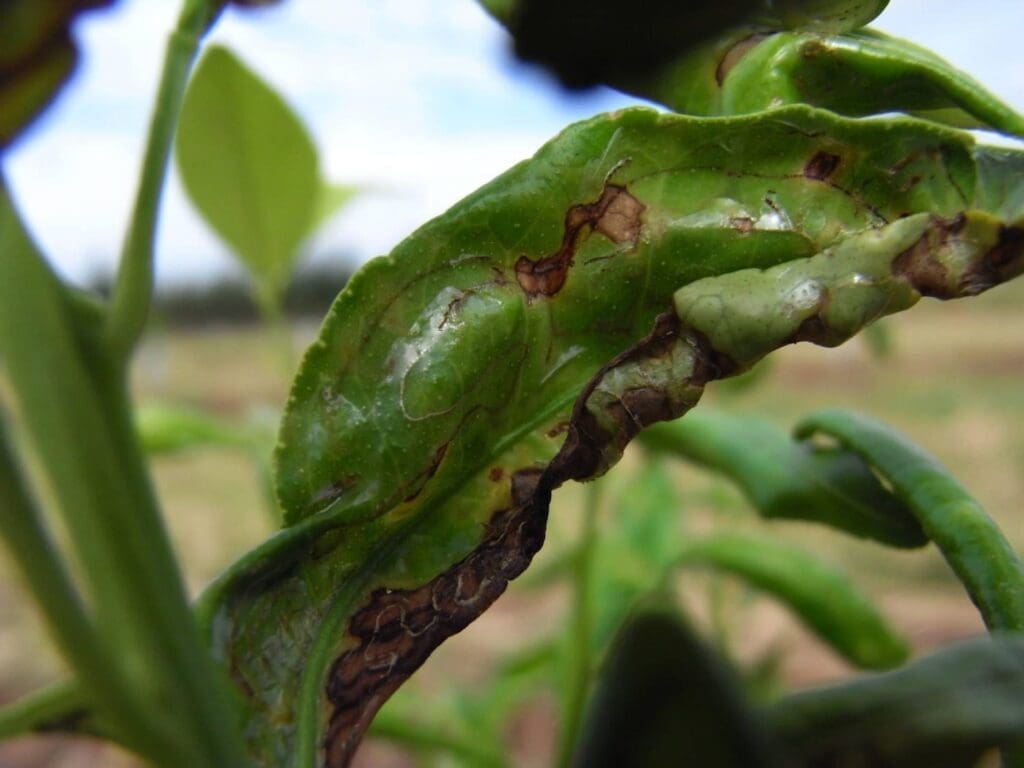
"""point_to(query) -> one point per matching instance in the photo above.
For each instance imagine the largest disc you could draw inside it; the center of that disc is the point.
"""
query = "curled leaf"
(942, 711)
(787, 479)
(822, 597)
(970, 541)
(752, 68)
(435, 414)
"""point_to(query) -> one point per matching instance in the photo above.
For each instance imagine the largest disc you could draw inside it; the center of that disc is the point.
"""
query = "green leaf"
(73, 404)
(37, 56)
(749, 69)
(507, 347)
(249, 166)
(664, 699)
(942, 711)
(970, 541)
(165, 428)
(821, 596)
(789, 480)
(637, 550)
(332, 198)
(586, 42)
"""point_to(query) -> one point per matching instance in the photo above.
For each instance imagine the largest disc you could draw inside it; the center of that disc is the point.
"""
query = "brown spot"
(559, 429)
(821, 166)
(736, 53)
(398, 629)
(496, 474)
(919, 265)
(616, 215)
(1003, 261)
(420, 481)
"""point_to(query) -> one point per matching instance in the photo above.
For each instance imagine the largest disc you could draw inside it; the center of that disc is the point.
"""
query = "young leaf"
(817, 593)
(434, 416)
(789, 480)
(248, 165)
(664, 699)
(972, 544)
(942, 711)
(165, 428)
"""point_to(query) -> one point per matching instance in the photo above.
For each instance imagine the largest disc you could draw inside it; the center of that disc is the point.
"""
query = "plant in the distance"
(518, 341)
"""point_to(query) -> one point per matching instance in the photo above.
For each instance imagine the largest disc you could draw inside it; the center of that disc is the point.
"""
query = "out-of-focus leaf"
(942, 711)
(523, 338)
(165, 428)
(878, 339)
(332, 198)
(249, 166)
(637, 549)
(751, 68)
(786, 479)
(970, 541)
(821, 596)
(586, 42)
(664, 699)
(36, 57)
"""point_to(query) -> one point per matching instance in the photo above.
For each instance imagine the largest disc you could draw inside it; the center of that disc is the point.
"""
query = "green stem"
(70, 627)
(269, 303)
(134, 285)
(581, 622)
(418, 737)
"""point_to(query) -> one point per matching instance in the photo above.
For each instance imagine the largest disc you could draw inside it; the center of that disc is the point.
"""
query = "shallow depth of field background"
(952, 381)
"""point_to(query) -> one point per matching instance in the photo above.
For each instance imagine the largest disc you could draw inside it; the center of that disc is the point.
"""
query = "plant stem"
(66, 619)
(580, 660)
(134, 285)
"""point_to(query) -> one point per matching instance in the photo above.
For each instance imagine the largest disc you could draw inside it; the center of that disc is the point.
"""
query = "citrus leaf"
(248, 165)
(942, 711)
(821, 596)
(787, 479)
(506, 347)
(664, 699)
(752, 68)
(970, 541)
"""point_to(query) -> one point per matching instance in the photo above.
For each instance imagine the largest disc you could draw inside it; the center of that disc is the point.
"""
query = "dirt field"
(953, 383)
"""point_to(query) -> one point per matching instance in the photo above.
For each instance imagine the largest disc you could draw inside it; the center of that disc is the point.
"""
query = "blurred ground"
(953, 383)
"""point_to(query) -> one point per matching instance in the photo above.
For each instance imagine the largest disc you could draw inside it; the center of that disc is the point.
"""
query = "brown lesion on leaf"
(616, 215)
(1002, 262)
(398, 629)
(582, 453)
(420, 481)
(495, 474)
(920, 265)
(821, 166)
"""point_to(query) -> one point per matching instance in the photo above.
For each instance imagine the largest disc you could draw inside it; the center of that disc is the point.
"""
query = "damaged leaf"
(453, 387)
(864, 72)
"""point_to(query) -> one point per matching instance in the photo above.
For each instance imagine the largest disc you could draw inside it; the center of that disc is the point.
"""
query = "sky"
(419, 101)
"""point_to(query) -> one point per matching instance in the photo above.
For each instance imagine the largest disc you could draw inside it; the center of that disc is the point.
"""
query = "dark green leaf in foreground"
(970, 541)
(664, 699)
(943, 711)
(752, 68)
(507, 347)
(249, 166)
(787, 479)
(37, 56)
(821, 596)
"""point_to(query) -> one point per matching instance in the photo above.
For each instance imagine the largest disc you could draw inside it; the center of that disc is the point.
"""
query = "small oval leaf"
(248, 165)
